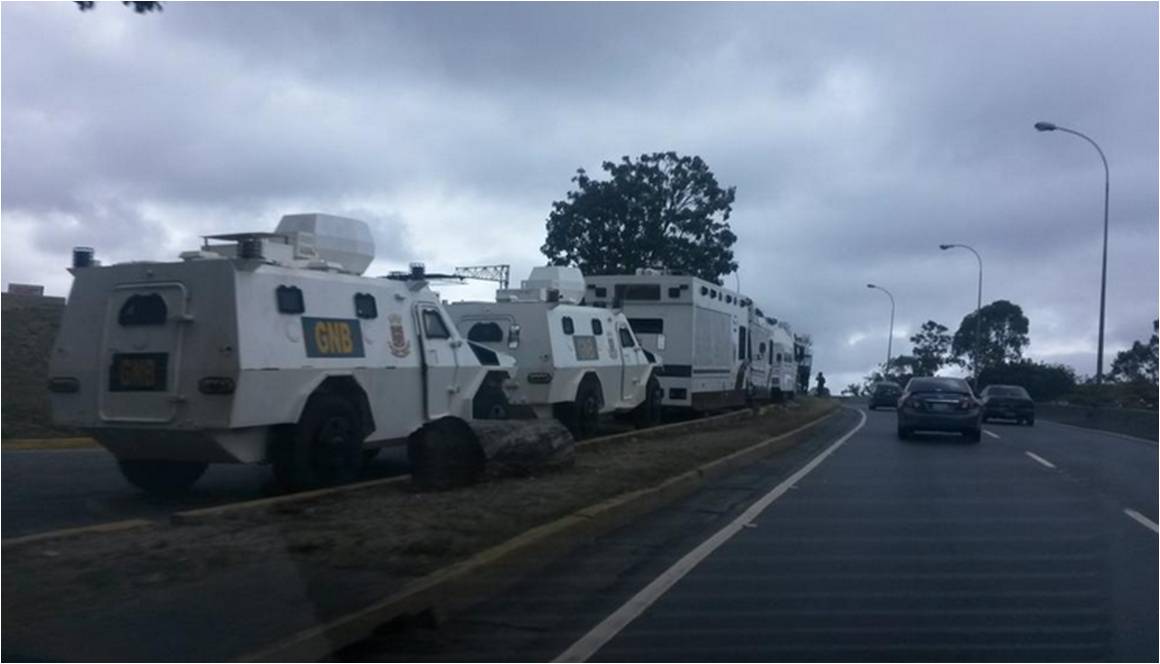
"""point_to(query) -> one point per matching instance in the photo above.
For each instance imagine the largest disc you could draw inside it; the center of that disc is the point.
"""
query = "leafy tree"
(660, 210)
(1138, 364)
(1004, 335)
(139, 7)
(1043, 382)
(931, 345)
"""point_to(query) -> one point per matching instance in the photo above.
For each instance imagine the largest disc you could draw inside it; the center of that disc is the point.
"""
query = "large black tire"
(973, 435)
(162, 478)
(369, 455)
(444, 455)
(1031, 421)
(323, 449)
(871, 407)
(648, 413)
(582, 417)
(904, 433)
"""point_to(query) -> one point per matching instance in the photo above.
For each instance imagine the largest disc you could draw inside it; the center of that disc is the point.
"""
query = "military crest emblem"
(399, 345)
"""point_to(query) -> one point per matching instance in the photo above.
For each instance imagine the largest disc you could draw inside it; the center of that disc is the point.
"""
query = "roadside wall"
(1139, 423)
(27, 331)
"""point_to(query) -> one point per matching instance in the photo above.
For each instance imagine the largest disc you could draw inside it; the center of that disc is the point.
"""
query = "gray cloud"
(859, 136)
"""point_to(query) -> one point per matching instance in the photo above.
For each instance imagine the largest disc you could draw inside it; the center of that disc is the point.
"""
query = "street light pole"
(890, 337)
(978, 305)
(1047, 126)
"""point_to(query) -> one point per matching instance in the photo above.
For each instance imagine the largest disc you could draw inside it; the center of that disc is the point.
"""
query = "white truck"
(700, 328)
(573, 363)
(271, 347)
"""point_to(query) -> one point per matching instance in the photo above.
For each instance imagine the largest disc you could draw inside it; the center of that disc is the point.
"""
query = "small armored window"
(365, 306)
(485, 333)
(704, 290)
(597, 328)
(713, 294)
(290, 300)
(601, 291)
(626, 340)
(647, 325)
(433, 325)
(143, 310)
(728, 299)
(568, 327)
(674, 292)
(761, 349)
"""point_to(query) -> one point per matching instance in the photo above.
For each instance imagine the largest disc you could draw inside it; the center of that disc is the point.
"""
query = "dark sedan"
(940, 404)
(885, 393)
(1008, 402)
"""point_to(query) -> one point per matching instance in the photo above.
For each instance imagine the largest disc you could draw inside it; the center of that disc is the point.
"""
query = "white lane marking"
(1040, 459)
(990, 433)
(1143, 520)
(587, 645)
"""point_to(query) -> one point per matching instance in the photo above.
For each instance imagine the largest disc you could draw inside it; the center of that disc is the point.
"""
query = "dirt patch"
(393, 532)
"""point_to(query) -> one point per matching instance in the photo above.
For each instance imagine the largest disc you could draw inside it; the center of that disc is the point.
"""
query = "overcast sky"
(859, 137)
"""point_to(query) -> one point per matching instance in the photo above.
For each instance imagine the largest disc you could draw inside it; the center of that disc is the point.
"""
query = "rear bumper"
(964, 421)
(1009, 412)
(211, 446)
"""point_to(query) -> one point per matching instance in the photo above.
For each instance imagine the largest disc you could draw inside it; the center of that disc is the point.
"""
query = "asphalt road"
(54, 489)
(1036, 544)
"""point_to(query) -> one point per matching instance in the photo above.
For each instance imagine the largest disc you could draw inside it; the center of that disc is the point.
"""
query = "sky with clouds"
(859, 137)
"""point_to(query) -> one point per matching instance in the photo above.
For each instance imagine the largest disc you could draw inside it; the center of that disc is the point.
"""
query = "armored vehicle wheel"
(324, 448)
(163, 478)
(444, 455)
(369, 455)
(648, 413)
(582, 416)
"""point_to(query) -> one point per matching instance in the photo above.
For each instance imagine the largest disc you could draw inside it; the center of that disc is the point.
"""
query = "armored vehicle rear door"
(141, 352)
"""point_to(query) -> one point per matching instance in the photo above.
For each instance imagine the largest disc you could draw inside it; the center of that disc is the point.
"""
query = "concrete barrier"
(1130, 422)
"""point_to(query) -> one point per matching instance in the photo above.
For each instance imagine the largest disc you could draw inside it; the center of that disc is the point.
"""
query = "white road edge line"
(990, 433)
(1143, 520)
(1040, 459)
(590, 643)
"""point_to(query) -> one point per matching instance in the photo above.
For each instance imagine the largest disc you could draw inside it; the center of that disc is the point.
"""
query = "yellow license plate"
(135, 372)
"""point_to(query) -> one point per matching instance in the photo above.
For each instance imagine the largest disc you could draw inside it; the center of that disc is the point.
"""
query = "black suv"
(885, 393)
(1008, 402)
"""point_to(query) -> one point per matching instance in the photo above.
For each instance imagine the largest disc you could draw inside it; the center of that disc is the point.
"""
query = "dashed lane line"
(1142, 520)
(1040, 459)
(990, 433)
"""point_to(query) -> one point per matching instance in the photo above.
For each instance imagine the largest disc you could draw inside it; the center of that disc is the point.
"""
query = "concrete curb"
(27, 444)
(109, 527)
(192, 516)
(469, 582)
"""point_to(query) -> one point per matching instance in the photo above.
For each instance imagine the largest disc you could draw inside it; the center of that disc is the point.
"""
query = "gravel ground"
(393, 533)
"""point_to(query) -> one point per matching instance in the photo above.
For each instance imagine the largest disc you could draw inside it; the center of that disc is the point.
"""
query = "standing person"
(821, 380)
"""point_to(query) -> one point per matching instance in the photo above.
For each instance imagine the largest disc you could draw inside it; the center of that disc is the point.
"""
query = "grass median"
(387, 535)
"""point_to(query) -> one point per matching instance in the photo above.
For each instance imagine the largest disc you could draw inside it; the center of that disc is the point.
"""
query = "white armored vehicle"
(700, 328)
(573, 362)
(270, 347)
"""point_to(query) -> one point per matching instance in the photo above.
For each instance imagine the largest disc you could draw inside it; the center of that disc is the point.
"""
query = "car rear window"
(1008, 391)
(939, 385)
